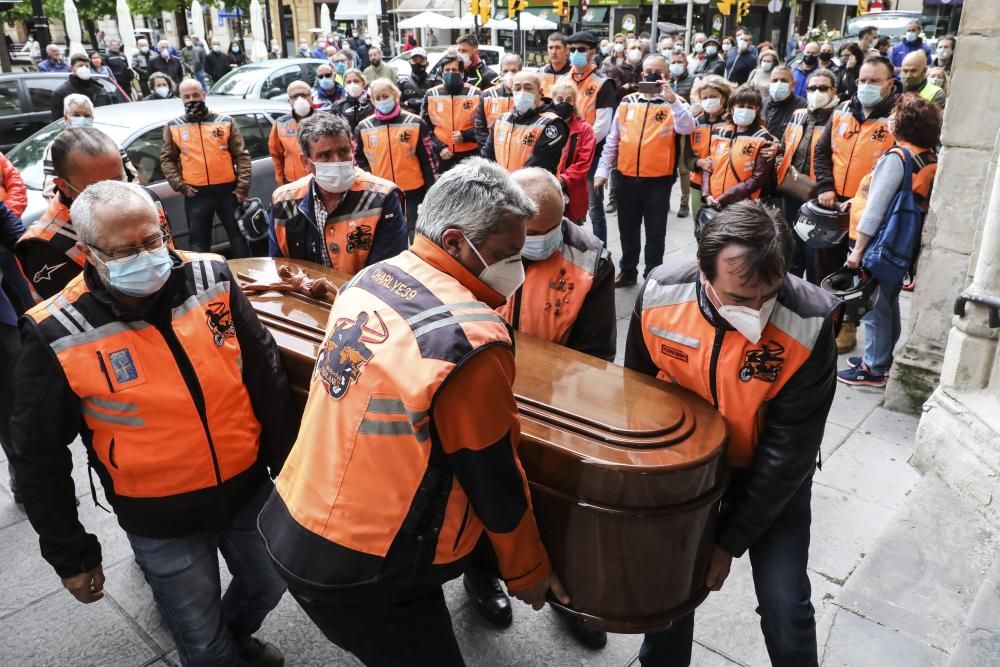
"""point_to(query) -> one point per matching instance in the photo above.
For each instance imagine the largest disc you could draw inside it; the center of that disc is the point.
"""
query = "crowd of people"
(458, 199)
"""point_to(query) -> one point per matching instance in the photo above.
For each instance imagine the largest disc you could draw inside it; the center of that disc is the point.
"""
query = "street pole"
(41, 24)
(687, 32)
(652, 30)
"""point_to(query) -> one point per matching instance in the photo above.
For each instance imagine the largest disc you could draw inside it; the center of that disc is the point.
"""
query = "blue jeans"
(598, 219)
(779, 558)
(210, 628)
(882, 328)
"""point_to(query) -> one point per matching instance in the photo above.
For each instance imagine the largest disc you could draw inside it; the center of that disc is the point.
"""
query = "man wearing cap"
(595, 104)
(712, 64)
(413, 87)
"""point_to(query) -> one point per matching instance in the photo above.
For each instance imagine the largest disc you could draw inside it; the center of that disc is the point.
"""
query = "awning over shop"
(357, 10)
(593, 16)
(412, 7)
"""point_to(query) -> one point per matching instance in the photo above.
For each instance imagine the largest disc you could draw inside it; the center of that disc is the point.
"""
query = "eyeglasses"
(579, 49)
(324, 76)
(131, 252)
(819, 89)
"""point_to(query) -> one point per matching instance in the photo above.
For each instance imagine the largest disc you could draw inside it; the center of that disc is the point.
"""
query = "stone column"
(956, 207)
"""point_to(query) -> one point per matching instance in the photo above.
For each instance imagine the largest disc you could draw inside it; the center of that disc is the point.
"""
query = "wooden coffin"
(625, 471)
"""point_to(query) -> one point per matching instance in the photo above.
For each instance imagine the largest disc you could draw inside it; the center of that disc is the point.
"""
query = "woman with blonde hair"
(577, 154)
(395, 145)
(710, 96)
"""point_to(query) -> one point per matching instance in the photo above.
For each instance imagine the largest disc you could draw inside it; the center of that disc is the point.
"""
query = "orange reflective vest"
(167, 418)
(453, 113)
(794, 132)
(924, 169)
(366, 481)
(702, 138)
(514, 143)
(391, 149)
(548, 78)
(587, 89)
(204, 150)
(496, 101)
(347, 235)
(548, 303)
(645, 138)
(283, 144)
(734, 160)
(856, 148)
(720, 365)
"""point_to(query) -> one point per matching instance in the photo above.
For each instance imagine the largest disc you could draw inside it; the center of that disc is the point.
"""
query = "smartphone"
(649, 88)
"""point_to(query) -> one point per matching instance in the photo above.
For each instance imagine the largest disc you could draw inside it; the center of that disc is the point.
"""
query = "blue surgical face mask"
(340, 67)
(912, 36)
(385, 106)
(139, 275)
(578, 59)
(779, 90)
(326, 84)
(537, 248)
(80, 121)
(869, 94)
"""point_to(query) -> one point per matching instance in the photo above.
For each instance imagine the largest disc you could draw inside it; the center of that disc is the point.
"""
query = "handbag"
(796, 185)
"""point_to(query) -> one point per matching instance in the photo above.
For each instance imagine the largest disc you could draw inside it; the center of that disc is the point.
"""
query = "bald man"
(568, 297)
(528, 135)
(283, 143)
(913, 74)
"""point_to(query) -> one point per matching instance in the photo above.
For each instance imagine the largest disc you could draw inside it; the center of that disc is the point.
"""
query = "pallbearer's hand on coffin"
(535, 596)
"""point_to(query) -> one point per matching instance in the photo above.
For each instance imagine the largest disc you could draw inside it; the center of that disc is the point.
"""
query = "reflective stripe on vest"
(204, 150)
(513, 143)
(148, 432)
(587, 89)
(496, 103)
(736, 156)
(553, 293)
(453, 113)
(794, 132)
(396, 333)
(680, 342)
(287, 130)
(856, 148)
(391, 149)
(924, 169)
(702, 139)
(646, 138)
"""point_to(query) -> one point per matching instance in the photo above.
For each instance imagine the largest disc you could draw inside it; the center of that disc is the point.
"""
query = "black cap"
(712, 40)
(583, 37)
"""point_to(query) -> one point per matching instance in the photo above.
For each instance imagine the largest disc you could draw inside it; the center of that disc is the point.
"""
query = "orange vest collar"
(436, 256)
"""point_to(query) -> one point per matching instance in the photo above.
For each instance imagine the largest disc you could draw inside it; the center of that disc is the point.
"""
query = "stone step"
(979, 642)
(909, 601)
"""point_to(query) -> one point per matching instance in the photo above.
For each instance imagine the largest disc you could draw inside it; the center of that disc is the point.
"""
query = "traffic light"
(561, 7)
(742, 9)
(483, 8)
(724, 7)
(514, 7)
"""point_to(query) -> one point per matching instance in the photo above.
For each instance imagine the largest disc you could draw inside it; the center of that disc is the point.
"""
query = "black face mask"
(452, 81)
(419, 70)
(826, 57)
(809, 61)
(196, 109)
(651, 78)
(563, 109)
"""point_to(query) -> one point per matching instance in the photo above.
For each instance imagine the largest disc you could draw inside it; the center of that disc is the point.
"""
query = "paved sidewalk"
(864, 481)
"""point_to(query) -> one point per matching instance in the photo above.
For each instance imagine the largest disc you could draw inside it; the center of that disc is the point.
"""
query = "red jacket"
(12, 191)
(574, 166)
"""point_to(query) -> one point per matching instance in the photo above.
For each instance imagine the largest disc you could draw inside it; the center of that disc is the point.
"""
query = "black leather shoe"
(625, 281)
(683, 211)
(261, 654)
(489, 599)
(590, 637)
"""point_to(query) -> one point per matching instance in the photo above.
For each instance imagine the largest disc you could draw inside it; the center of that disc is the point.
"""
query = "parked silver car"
(267, 80)
(137, 128)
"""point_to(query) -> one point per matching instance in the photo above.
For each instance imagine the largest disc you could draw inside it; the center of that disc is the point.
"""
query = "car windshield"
(892, 27)
(28, 155)
(238, 82)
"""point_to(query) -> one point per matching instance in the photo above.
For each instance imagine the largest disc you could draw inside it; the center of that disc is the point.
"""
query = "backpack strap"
(907, 184)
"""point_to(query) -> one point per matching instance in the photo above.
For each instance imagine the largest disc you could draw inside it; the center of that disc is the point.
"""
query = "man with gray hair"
(157, 360)
(140, 64)
(527, 135)
(338, 215)
(499, 99)
(430, 464)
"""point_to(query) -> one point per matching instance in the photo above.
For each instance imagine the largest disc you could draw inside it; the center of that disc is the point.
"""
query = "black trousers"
(10, 346)
(387, 627)
(208, 202)
(642, 201)
(413, 200)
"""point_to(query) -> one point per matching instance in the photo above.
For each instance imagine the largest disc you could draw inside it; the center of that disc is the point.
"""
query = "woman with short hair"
(357, 105)
(161, 87)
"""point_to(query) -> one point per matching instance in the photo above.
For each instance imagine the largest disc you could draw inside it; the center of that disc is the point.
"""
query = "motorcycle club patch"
(345, 352)
(763, 364)
(123, 366)
(552, 132)
(220, 322)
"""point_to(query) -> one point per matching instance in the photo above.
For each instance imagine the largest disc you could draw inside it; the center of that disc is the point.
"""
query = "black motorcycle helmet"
(821, 227)
(855, 289)
(251, 216)
(705, 215)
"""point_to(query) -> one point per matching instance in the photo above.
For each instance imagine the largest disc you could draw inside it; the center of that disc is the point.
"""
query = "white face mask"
(163, 91)
(698, 47)
(619, 47)
(749, 322)
(354, 89)
(301, 106)
(508, 79)
(743, 116)
(524, 101)
(766, 66)
(465, 58)
(504, 276)
(335, 177)
(711, 105)
(83, 73)
(779, 90)
(634, 55)
(677, 69)
(744, 46)
(935, 81)
(817, 99)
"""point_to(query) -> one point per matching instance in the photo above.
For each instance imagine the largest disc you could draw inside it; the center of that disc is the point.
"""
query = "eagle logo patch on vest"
(123, 366)
(345, 352)
(218, 133)
(879, 134)
(763, 364)
(467, 105)
(220, 322)
(404, 137)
